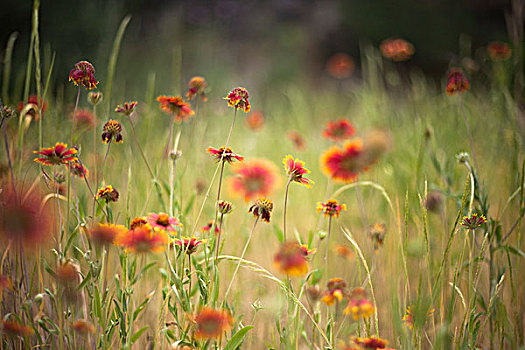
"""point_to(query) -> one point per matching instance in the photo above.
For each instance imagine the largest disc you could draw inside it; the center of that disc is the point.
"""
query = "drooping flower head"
(36, 105)
(163, 221)
(112, 129)
(255, 121)
(176, 106)
(105, 234)
(499, 51)
(340, 65)
(127, 108)
(78, 169)
(188, 245)
(474, 221)
(336, 290)
(343, 164)
(226, 155)
(359, 306)
(238, 99)
(331, 208)
(143, 239)
(83, 74)
(262, 208)
(457, 83)
(254, 178)
(339, 130)
(397, 49)
(291, 260)
(295, 170)
(212, 323)
(108, 193)
(197, 87)
(57, 155)
(224, 207)
(297, 139)
(377, 232)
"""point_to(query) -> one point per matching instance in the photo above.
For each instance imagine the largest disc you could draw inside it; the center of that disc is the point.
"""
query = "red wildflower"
(137, 222)
(15, 329)
(127, 108)
(32, 99)
(143, 239)
(163, 221)
(297, 140)
(295, 170)
(77, 169)
(108, 193)
(238, 99)
(196, 87)
(499, 51)
(474, 221)
(105, 234)
(207, 228)
(255, 121)
(85, 118)
(343, 165)
(397, 49)
(336, 290)
(262, 208)
(340, 66)
(83, 74)
(176, 106)
(83, 327)
(290, 259)
(339, 130)
(56, 155)
(254, 178)
(358, 306)
(188, 245)
(212, 323)
(457, 83)
(112, 129)
(330, 208)
(224, 155)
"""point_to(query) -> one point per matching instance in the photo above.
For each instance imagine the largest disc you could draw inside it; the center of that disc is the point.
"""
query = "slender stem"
(219, 191)
(167, 148)
(78, 213)
(327, 245)
(8, 153)
(95, 137)
(285, 201)
(59, 209)
(189, 275)
(240, 260)
(469, 133)
(104, 163)
(140, 148)
(218, 239)
(74, 117)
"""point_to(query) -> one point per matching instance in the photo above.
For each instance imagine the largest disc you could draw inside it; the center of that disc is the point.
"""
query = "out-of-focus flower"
(291, 260)
(112, 129)
(331, 208)
(212, 323)
(207, 228)
(14, 329)
(33, 99)
(344, 251)
(358, 306)
(340, 65)
(83, 327)
(83, 74)
(224, 207)
(105, 234)
(137, 222)
(313, 293)
(371, 343)
(255, 121)
(339, 130)
(297, 139)
(163, 221)
(499, 51)
(226, 155)
(457, 82)
(5, 283)
(376, 143)
(84, 118)
(253, 178)
(176, 106)
(262, 208)
(238, 99)
(343, 164)
(397, 49)
(127, 108)
(68, 272)
(188, 245)
(196, 87)
(95, 97)
(377, 232)
(295, 170)
(143, 239)
(434, 202)
(306, 250)
(77, 169)
(409, 317)
(335, 292)
(108, 193)
(474, 221)
(57, 155)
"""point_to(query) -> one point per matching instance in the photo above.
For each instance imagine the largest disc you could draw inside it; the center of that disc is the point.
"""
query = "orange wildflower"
(127, 108)
(339, 130)
(295, 170)
(105, 234)
(163, 221)
(112, 129)
(196, 86)
(176, 106)
(255, 121)
(226, 155)
(499, 51)
(340, 65)
(335, 292)
(291, 260)
(254, 178)
(143, 239)
(59, 154)
(83, 327)
(84, 118)
(397, 49)
(188, 245)
(297, 140)
(15, 329)
(212, 323)
(77, 169)
(238, 99)
(262, 208)
(330, 208)
(343, 164)
(108, 193)
(457, 83)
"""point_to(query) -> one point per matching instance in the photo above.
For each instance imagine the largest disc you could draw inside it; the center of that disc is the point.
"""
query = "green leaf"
(278, 233)
(137, 334)
(237, 338)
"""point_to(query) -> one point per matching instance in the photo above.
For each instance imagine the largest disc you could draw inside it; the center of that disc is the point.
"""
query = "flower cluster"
(238, 99)
(112, 129)
(331, 208)
(397, 49)
(474, 221)
(83, 74)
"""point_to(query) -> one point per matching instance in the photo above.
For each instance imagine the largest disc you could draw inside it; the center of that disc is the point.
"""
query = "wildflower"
(306, 250)
(108, 193)
(238, 99)
(255, 121)
(499, 51)
(14, 329)
(211, 323)
(313, 293)
(77, 169)
(331, 208)
(33, 100)
(343, 165)
(207, 228)
(372, 342)
(474, 221)
(225, 155)
(295, 170)
(83, 74)
(224, 207)
(457, 83)
(5, 283)
(376, 232)
(290, 259)
(197, 85)
(397, 49)
(105, 234)
(67, 272)
(358, 306)
(163, 221)
(339, 130)
(84, 118)
(257, 177)
(143, 239)
(189, 245)
(83, 327)
(111, 129)
(344, 251)
(137, 222)
(262, 209)
(340, 65)
(176, 106)
(127, 108)
(434, 202)
(95, 97)
(57, 155)
(409, 317)
(335, 292)
(375, 144)
(297, 140)
(24, 222)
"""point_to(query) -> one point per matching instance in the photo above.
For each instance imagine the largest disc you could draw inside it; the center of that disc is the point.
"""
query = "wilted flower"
(163, 221)
(105, 234)
(188, 245)
(127, 108)
(95, 97)
(56, 155)
(343, 164)
(238, 99)
(226, 155)
(111, 129)
(83, 74)
(330, 208)
(397, 49)
(15, 329)
(474, 221)
(224, 207)
(377, 232)
(335, 292)
(262, 209)
(457, 83)
(499, 51)
(176, 106)
(143, 239)
(297, 139)
(291, 260)
(108, 193)
(77, 169)
(196, 86)
(255, 121)
(253, 178)
(295, 170)
(340, 65)
(83, 327)
(84, 118)
(339, 130)
(212, 323)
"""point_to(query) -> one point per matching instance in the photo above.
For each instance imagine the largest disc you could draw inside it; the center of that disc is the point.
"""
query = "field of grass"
(427, 255)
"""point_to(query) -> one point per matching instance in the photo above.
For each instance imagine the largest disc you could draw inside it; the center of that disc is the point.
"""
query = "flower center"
(163, 220)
